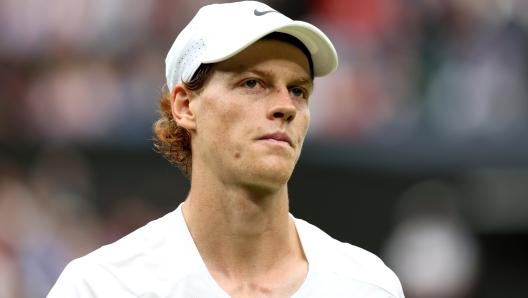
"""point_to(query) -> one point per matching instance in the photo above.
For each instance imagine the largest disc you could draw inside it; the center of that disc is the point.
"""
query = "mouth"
(278, 138)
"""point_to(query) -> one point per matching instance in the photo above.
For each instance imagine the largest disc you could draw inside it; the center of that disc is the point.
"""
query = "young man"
(235, 119)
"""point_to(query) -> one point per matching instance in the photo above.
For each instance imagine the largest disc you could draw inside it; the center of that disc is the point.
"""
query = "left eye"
(251, 84)
(297, 92)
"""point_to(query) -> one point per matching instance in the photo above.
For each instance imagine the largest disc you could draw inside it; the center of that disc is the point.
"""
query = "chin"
(272, 175)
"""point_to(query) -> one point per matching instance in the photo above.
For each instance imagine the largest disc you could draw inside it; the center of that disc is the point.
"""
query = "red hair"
(172, 140)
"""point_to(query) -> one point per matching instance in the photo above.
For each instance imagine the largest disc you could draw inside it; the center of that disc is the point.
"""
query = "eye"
(297, 92)
(251, 84)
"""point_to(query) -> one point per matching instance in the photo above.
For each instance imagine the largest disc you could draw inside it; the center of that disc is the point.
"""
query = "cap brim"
(323, 53)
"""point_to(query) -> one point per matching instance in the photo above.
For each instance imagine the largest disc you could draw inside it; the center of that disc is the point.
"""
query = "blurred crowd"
(48, 218)
(84, 71)
(90, 72)
(456, 69)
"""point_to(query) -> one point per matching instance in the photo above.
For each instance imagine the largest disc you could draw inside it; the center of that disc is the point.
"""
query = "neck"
(239, 228)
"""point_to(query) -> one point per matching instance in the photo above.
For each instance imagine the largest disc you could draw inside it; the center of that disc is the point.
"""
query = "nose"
(283, 107)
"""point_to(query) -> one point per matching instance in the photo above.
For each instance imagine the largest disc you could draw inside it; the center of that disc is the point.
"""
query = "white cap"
(220, 31)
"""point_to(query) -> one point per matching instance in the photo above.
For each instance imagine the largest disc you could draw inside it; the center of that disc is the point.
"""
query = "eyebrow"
(307, 82)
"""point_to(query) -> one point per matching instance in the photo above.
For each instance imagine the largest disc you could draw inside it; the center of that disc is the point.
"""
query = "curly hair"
(172, 140)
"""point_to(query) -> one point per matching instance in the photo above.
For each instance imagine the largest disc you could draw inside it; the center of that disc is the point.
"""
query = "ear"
(181, 107)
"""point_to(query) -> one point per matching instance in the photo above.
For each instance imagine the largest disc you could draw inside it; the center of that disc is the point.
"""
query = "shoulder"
(346, 260)
(126, 267)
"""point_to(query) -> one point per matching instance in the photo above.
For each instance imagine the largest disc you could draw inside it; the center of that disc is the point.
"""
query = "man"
(235, 119)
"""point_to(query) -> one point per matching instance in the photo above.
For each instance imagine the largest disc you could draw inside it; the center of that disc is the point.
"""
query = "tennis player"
(234, 119)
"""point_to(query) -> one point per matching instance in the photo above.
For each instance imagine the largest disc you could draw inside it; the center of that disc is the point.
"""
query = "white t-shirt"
(161, 260)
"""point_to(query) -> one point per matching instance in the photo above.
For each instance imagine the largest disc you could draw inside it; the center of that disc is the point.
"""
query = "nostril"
(278, 115)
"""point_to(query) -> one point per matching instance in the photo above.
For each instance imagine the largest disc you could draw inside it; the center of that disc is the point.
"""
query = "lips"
(279, 137)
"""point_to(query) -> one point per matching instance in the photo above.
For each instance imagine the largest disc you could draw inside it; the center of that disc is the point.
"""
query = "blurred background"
(417, 149)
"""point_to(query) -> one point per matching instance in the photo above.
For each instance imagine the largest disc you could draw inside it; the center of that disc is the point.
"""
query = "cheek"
(224, 114)
(305, 121)
(221, 122)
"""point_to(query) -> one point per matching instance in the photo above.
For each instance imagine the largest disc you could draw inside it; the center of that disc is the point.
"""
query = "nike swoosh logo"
(261, 13)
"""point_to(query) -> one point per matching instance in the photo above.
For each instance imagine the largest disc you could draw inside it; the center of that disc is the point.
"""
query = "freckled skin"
(230, 117)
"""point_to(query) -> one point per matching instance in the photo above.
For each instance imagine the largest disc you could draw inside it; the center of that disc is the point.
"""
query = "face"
(252, 116)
